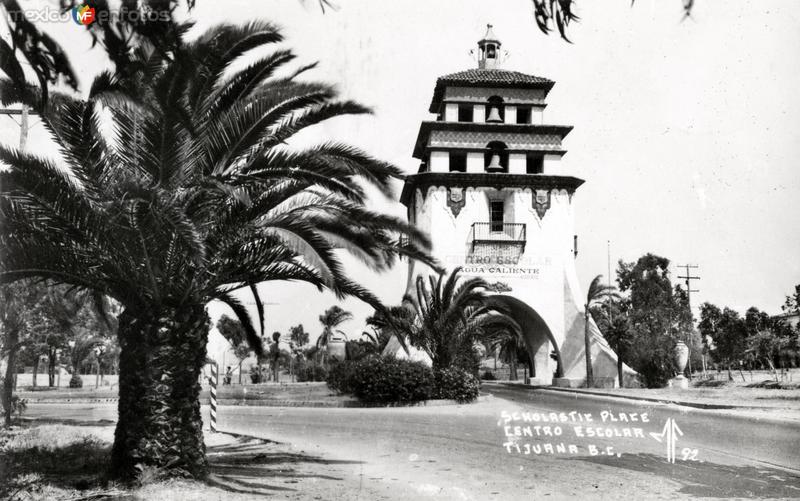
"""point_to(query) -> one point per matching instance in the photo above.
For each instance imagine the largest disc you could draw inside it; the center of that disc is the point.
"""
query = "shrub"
(488, 376)
(312, 372)
(75, 381)
(456, 384)
(389, 380)
(340, 376)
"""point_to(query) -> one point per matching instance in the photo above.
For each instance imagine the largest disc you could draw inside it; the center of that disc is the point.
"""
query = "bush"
(389, 380)
(488, 376)
(312, 372)
(75, 381)
(340, 376)
(456, 384)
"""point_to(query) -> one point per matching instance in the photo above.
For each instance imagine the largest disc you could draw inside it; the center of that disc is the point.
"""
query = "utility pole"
(608, 253)
(24, 114)
(688, 281)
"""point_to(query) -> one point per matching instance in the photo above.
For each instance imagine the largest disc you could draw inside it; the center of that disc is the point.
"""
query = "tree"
(394, 320)
(80, 348)
(511, 345)
(190, 195)
(792, 303)
(659, 316)
(596, 294)
(451, 316)
(613, 320)
(727, 331)
(20, 307)
(332, 318)
(232, 330)
(298, 335)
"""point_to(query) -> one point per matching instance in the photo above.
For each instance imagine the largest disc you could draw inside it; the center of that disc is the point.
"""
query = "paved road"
(465, 452)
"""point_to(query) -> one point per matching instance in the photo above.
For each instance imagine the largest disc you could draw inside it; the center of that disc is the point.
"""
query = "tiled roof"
(487, 78)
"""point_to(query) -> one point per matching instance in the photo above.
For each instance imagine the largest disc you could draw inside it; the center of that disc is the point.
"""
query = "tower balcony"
(498, 234)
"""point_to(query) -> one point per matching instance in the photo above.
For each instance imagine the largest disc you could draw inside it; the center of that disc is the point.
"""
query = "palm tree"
(332, 318)
(597, 293)
(79, 350)
(394, 320)
(177, 187)
(613, 319)
(509, 342)
(450, 317)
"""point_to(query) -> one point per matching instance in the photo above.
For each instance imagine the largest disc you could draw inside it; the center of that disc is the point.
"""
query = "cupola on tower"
(493, 196)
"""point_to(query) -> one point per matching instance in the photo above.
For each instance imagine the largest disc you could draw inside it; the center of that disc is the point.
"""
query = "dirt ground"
(55, 461)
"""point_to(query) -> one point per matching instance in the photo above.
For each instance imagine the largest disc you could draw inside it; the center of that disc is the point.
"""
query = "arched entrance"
(538, 337)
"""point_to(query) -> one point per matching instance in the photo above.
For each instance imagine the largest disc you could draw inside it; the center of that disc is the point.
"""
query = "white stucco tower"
(492, 194)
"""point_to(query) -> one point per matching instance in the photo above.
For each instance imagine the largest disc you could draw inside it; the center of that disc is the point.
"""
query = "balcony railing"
(498, 233)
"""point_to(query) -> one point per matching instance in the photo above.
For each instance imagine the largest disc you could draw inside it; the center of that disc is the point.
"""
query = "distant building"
(492, 194)
(791, 319)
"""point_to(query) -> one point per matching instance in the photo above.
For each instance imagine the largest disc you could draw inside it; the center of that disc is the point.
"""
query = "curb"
(276, 403)
(346, 404)
(72, 400)
(696, 405)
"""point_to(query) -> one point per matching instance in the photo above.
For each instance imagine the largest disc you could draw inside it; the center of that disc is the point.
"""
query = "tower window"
(496, 158)
(496, 215)
(465, 113)
(491, 51)
(534, 164)
(458, 161)
(523, 115)
(496, 110)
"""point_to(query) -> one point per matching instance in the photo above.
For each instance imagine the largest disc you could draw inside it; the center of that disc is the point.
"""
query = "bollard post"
(213, 396)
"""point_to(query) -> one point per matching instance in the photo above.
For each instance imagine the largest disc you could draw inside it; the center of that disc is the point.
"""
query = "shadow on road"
(709, 479)
(249, 466)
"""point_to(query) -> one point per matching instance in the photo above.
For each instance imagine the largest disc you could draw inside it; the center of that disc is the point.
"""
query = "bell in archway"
(494, 115)
(494, 164)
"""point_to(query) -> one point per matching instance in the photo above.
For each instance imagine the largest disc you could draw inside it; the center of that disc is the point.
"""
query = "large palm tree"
(176, 187)
(597, 293)
(451, 316)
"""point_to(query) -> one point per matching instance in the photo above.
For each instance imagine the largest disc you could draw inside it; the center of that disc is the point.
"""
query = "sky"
(686, 132)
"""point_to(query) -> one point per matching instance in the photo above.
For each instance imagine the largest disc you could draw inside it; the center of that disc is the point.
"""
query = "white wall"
(541, 277)
(510, 114)
(552, 165)
(439, 161)
(475, 161)
(451, 112)
(479, 113)
(517, 163)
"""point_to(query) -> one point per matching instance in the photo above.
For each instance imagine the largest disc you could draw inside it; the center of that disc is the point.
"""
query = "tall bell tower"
(492, 194)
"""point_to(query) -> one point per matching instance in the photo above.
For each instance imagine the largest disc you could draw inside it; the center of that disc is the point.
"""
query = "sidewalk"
(746, 403)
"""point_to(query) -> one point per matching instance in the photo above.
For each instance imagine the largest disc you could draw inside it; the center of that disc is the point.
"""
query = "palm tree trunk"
(8, 382)
(159, 424)
(619, 369)
(587, 349)
(35, 369)
(51, 367)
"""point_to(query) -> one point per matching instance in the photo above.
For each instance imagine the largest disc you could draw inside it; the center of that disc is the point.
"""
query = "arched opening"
(496, 157)
(497, 112)
(539, 339)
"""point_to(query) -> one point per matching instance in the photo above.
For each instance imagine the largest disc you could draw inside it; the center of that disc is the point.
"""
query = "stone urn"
(681, 356)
